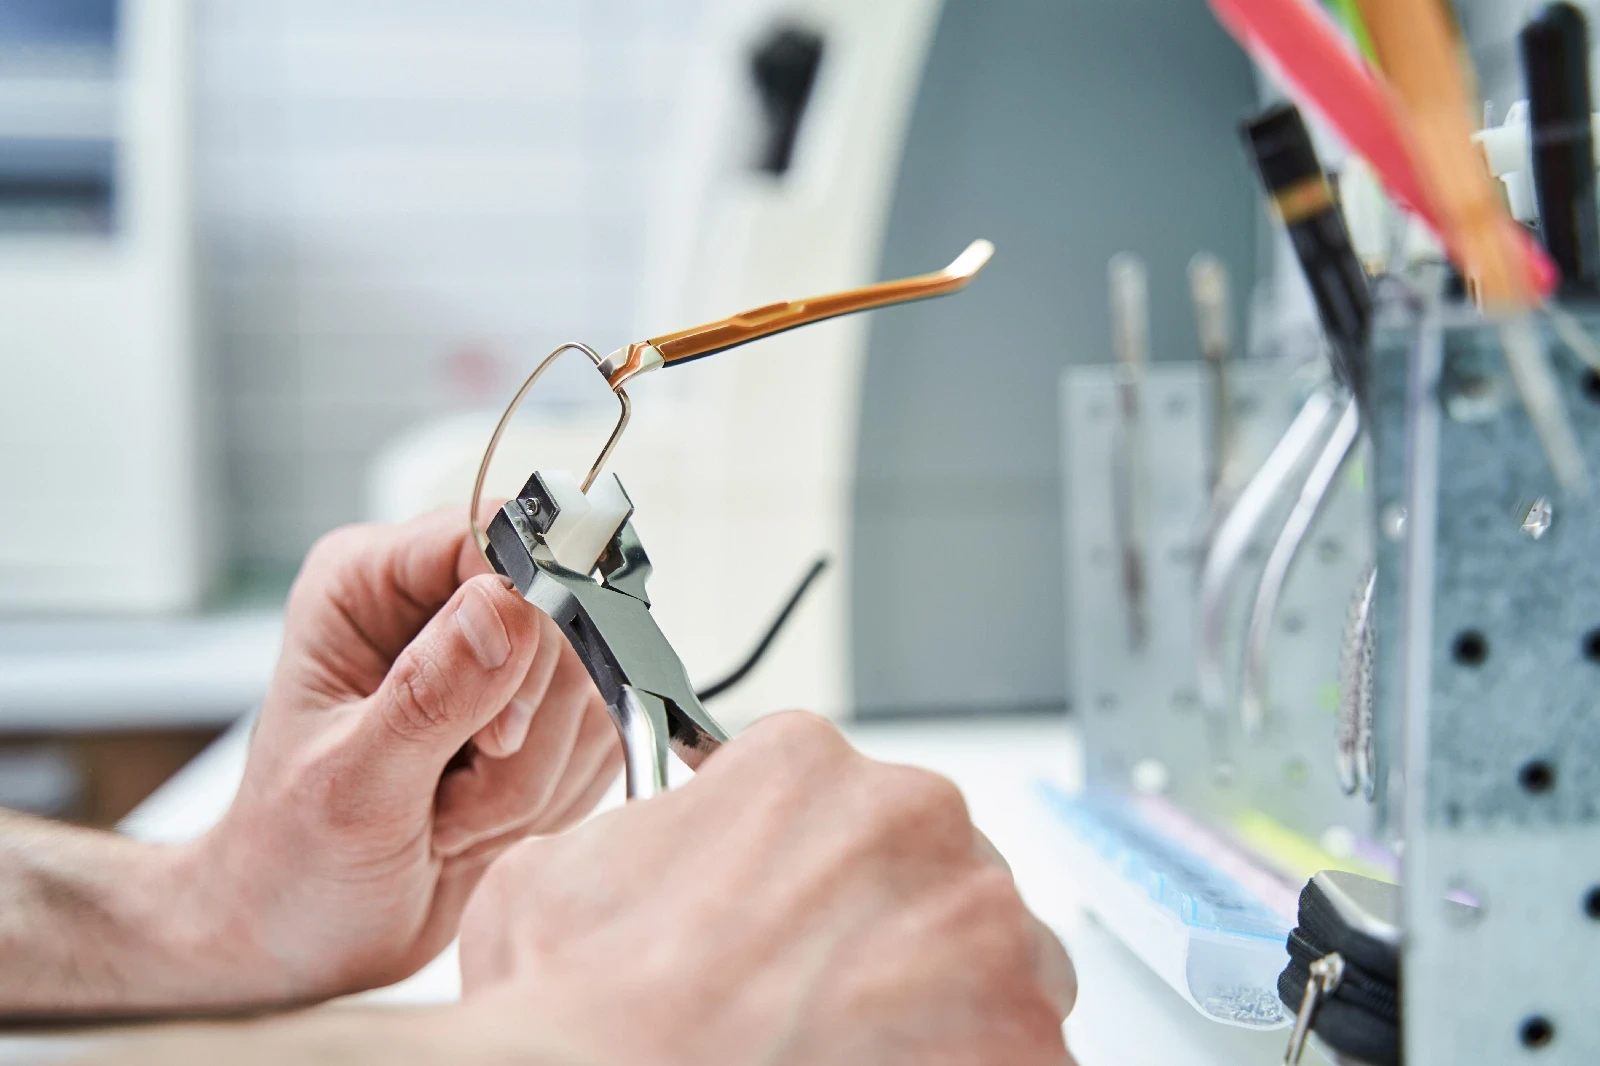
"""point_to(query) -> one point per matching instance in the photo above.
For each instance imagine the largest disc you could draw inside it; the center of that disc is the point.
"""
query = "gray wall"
(1065, 132)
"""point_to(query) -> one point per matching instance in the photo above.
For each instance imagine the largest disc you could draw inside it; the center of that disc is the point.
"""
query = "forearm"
(94, 923)
(438, 1036)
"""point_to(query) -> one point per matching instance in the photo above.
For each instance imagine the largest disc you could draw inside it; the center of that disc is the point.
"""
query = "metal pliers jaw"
(609, 624)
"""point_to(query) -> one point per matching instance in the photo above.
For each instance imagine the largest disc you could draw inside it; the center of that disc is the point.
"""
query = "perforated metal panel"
(1142, 707)
(1488, 651)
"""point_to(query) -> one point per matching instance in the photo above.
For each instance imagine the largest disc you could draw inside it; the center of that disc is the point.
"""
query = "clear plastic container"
(1219, 944)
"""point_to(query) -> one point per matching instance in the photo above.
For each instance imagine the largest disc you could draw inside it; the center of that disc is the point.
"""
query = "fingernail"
(506, 581)
(480, 624)
(512, 726)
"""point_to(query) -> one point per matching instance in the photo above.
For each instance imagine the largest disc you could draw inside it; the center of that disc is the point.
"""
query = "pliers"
(542, 540)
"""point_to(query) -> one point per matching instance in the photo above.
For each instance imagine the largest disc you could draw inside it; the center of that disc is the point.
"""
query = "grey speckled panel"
(1463, 577)
(1536, 695)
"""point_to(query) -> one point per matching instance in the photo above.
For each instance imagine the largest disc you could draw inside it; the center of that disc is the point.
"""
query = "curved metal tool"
(1208, 286)
(1355, 740)
(1130, 332)
(1233, 536)
(1275, 574)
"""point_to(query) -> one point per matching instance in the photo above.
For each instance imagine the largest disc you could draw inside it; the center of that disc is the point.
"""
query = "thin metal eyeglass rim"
(478, 535)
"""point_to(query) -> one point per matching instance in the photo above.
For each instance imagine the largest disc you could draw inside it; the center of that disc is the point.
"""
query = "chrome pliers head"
(576, 556)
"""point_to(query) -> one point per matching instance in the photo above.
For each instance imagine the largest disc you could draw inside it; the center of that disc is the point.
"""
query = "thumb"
(453, 678)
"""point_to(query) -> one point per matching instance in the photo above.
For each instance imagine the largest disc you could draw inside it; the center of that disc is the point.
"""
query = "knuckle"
(926, 798)
(418, 695)
(990, 906)
(325, 785)
(797, 741)
(517, 898)
(335, 546)
(993, 895)
(505, 882)
(802, 729)
(511, 869)
(325, 571)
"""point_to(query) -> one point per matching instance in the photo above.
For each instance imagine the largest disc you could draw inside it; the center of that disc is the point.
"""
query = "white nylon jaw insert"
(584, 522)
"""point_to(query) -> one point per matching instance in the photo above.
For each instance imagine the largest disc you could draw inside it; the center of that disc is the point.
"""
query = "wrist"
(204, 947)
(94, 923)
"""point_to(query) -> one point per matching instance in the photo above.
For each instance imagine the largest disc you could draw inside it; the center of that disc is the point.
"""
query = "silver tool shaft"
(1130, 331)
(1208, 286)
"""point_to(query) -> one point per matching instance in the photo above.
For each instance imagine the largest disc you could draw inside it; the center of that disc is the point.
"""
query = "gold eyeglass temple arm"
(730, 332)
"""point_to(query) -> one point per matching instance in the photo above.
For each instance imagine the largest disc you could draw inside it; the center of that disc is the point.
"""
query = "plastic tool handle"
(1307, 49)
(1555, 62)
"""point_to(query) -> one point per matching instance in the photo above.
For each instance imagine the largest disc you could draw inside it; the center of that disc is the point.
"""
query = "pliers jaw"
(609, 625)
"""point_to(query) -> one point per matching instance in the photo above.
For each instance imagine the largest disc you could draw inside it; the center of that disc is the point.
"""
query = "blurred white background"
(401, 206)
(378, 214)
(245, 244)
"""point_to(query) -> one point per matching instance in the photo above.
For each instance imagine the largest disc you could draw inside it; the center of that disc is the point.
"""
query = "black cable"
(711, 692)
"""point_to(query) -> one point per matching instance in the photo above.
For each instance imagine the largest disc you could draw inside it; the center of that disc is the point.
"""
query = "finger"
(447, 683)
(1052, 962)
(593, 769)
(600, 785)
(987, 851)
(494, 794)
(507, 731)
(1054, 966)
(458, 880)
(385, 581)
(789, 745)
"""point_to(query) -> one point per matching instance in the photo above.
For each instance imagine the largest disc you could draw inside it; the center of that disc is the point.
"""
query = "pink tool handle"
(1308, 50)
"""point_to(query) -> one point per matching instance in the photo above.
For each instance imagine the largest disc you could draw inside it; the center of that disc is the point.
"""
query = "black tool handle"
(1555, 64)
(1286, 159)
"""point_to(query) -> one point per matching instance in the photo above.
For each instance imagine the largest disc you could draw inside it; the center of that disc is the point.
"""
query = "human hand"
(796, 903)
(422, 717)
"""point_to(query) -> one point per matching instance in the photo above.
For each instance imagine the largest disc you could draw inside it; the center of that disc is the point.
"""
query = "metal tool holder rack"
(1144, 729)
(1487, 607)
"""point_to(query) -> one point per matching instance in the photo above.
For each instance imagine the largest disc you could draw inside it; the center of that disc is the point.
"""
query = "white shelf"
(63, 675)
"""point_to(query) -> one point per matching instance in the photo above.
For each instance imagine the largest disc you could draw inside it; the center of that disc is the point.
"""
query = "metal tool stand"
(1142, 721)
(1488, 695)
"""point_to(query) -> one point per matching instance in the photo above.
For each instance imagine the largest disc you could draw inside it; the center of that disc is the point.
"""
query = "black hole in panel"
(1591, 384)
(1537, 1032)
(1471, 648)
(1537, 776)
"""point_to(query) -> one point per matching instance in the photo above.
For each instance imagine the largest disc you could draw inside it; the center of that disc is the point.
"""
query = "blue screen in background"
(58, 149)
(69, 23)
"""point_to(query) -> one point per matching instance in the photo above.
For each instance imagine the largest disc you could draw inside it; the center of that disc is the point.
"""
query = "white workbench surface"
(1125, 1015)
